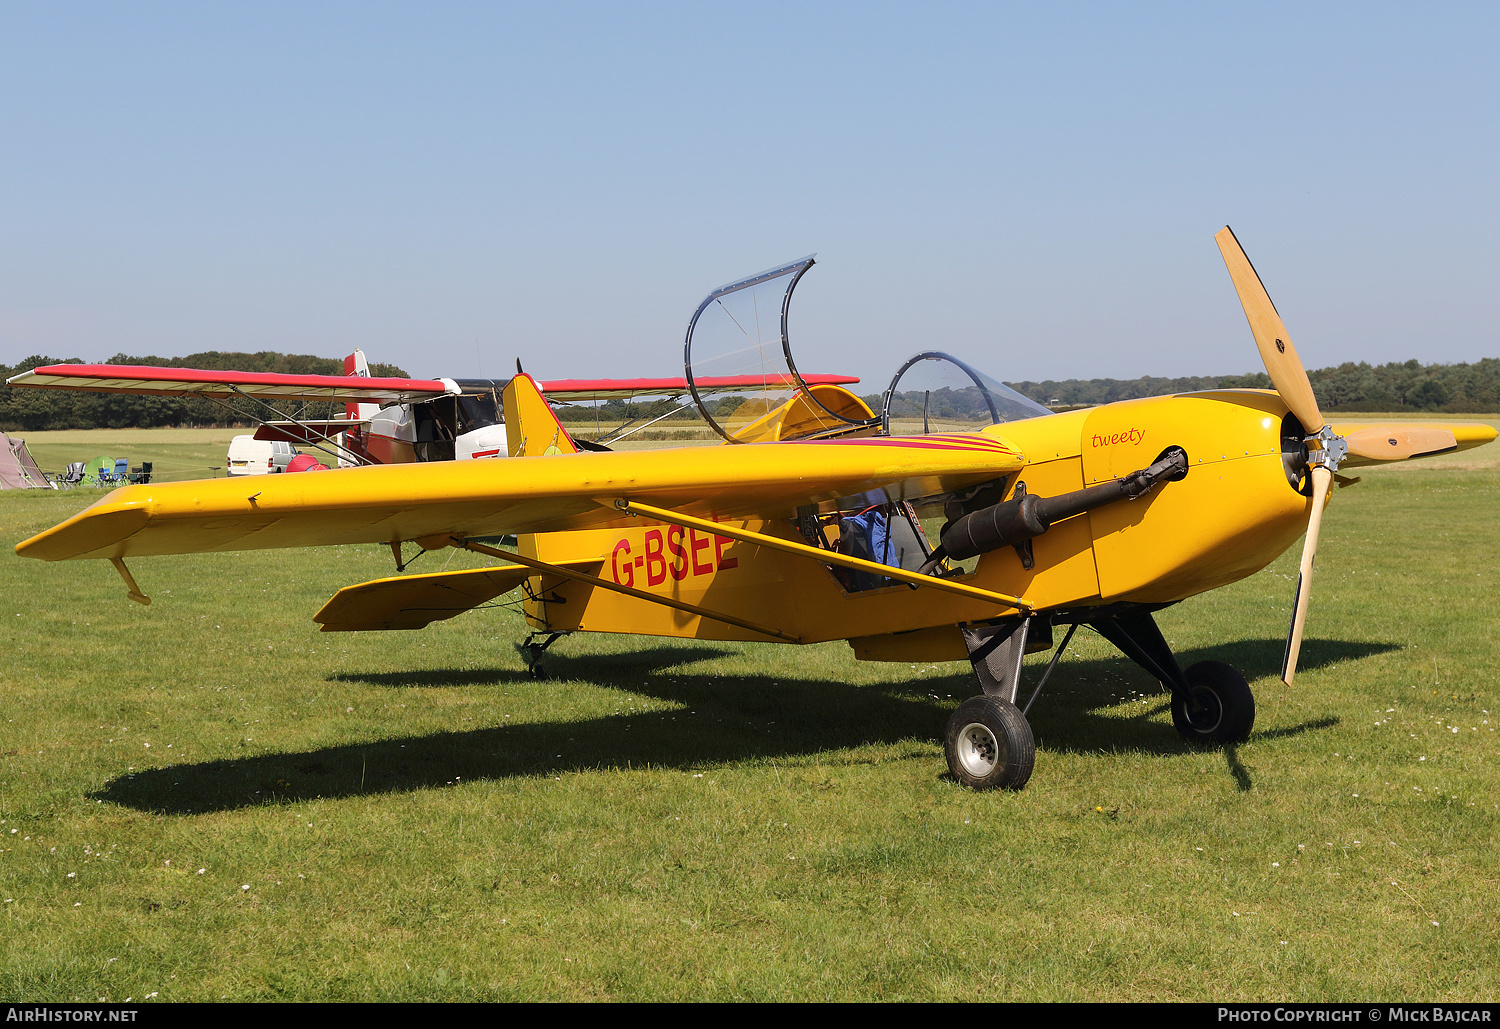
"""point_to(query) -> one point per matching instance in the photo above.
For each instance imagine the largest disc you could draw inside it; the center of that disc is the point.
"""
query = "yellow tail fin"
(531, 427)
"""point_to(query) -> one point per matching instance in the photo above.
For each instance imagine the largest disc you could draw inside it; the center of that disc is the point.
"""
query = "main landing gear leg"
(988, 744)
(1211, 702)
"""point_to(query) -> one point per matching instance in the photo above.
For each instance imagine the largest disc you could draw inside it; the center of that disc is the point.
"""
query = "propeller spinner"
(1325, 448)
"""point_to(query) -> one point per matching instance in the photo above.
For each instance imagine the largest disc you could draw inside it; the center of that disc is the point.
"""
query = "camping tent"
(95, 471)
(17, 469)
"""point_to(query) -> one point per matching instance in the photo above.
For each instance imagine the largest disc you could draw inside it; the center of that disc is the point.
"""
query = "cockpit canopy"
(936, 392)
(740, 330)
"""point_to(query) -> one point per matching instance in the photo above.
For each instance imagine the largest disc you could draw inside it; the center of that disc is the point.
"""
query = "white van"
(251, 456)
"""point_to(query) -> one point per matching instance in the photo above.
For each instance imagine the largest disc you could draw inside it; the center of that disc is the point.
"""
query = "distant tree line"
(1413, 386)
(36, 409)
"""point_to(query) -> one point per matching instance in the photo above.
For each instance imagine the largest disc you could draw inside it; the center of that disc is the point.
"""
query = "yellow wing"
(504, 496)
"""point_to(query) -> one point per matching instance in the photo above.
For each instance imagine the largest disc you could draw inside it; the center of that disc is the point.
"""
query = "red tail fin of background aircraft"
(355, 364)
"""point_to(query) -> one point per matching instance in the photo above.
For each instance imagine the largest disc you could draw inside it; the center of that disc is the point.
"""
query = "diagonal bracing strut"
(823, 556)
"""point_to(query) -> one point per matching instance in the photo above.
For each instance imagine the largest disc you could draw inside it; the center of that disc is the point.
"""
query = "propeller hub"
(1327, 448)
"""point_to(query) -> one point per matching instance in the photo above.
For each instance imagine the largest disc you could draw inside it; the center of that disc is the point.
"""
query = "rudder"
(531, 426)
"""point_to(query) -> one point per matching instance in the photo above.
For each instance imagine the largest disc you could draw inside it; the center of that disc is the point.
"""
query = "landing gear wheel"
(989, 745)
(1219, 707)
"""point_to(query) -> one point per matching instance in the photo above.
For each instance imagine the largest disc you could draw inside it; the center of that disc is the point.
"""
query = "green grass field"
(208, 798)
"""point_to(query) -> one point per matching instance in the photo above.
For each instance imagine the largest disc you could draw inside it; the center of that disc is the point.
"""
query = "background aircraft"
(387, 420)
(815, 522)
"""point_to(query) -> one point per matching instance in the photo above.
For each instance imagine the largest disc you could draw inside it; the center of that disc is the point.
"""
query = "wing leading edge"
(153, 380)
(487, 498)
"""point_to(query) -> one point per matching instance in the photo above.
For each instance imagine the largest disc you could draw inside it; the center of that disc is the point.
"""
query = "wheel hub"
(978, 749)
(1204, 711)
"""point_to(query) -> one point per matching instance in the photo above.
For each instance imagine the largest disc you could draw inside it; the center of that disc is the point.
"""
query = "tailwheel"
(532, 651)
(989, 745)
(1218, 706)
(534, 659)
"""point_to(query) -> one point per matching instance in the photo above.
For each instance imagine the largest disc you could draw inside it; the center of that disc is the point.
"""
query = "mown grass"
(207, 798)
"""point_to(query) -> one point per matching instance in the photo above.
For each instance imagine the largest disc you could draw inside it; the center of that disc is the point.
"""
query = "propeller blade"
(1321, 478)
(1276, 350)
(1396, 443)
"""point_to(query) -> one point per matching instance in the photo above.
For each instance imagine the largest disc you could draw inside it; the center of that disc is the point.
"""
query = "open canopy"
(739, 334)
(740, 331)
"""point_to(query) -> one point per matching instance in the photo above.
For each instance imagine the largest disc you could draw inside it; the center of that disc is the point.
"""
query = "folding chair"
(71, 476)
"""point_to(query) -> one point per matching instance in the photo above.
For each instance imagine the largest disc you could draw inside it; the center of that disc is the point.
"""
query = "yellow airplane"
(812, 523)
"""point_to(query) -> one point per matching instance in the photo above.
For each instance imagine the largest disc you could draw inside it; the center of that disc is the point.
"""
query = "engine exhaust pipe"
(1025, 516)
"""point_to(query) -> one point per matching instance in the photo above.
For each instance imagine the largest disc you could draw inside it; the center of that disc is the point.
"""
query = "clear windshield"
(936, 392)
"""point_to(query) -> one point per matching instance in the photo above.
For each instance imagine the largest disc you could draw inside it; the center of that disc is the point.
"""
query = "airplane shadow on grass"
(718, 718)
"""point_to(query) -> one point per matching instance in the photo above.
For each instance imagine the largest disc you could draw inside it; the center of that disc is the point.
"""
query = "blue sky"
(1033, 187)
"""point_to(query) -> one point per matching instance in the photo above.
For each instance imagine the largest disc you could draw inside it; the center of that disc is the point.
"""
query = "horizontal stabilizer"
(306, 432)
(415, 601)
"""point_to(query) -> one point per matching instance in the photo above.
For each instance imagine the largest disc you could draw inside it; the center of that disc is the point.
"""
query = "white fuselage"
(390, 437)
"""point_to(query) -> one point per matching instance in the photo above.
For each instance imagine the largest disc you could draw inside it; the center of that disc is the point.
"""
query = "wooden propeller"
(1397, 443)
(1271, 338)
(1321, 478)
(1290, 379)
(1326, 449)
(1377, 443)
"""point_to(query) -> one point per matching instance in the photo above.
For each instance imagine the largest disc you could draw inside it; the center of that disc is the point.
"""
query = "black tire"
(1219, 707)
(989, 745)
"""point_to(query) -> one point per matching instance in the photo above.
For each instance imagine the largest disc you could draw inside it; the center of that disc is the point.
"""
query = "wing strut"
(822, 556)
(339, 451)
(629, 591)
